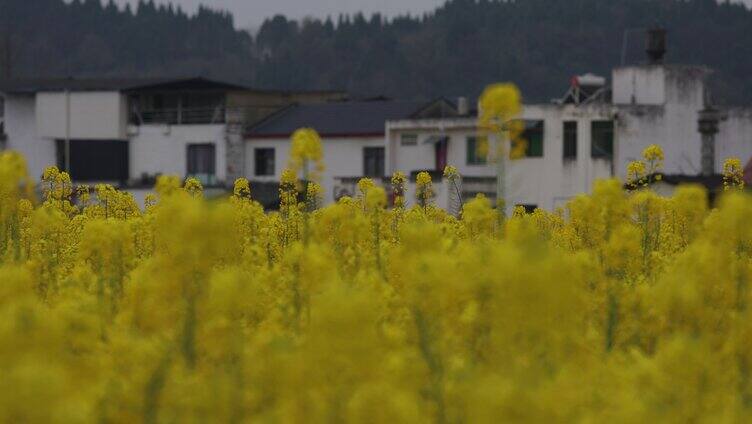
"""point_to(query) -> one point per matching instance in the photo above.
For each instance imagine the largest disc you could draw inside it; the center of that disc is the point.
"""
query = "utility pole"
(66, 147)
(501, 168)
(503, 151)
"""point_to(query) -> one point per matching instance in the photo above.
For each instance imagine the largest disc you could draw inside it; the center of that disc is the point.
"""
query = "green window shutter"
(534, 136)
(474, 157)
(535, 148)
(602, 142)
(471, 149)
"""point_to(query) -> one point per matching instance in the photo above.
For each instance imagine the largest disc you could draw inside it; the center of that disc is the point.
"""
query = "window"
(476, 154)
(94, 160)
(180, 108)
(533, 134)
(264, 159)
(570, 139)
(201, 108)
(441, 151)
(373, 162)
(202, 162)
(602, 145)
(409, 140)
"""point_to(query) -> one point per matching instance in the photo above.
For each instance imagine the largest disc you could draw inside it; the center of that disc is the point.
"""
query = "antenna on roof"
(656, 45)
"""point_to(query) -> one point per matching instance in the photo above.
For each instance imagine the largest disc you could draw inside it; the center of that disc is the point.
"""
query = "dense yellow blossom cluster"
(733, 174)
(306, 153)
(641, 173)
(622, 307)
(499, 108)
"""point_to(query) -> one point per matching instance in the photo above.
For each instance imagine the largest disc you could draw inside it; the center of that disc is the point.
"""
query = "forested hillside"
(89, 38)
(454, 50)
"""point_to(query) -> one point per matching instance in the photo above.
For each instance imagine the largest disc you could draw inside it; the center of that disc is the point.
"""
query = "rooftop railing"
(181, 116)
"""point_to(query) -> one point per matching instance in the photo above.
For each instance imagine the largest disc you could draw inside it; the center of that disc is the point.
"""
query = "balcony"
(179, 116)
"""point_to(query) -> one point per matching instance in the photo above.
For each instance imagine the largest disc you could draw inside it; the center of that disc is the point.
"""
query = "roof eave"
(322, 134)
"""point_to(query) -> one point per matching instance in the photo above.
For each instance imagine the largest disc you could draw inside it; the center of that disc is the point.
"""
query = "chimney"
(463, 106)
(708, 126)
(656, 45)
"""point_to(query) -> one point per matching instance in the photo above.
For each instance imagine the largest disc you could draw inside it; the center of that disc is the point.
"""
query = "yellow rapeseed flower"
(450, 172)
(306, 153)
(242, 188)
(195, 310)
(733, 174)
(499, 103)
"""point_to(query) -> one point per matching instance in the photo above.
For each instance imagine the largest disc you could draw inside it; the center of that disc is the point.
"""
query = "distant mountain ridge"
(87, 38)
(455, 50)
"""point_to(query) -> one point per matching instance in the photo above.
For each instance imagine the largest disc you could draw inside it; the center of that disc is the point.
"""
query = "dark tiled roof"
(29, 86)
(335, 119)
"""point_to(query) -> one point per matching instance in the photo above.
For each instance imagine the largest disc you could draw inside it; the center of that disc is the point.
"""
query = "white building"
(128, 131)
(118, 131)
(560, 161)
(581, 138)
(352, 136)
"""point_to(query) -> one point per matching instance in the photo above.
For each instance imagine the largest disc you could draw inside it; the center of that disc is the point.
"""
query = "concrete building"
(559, 163)
(128, 131)
(352, 135)
(584, 137)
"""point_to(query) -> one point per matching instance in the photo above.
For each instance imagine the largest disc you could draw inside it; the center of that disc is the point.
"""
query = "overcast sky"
(253, 12)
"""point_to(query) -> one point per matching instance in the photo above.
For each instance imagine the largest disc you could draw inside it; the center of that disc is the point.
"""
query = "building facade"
(353, 140)
(559, 161)
(127, 132)
(573, 142)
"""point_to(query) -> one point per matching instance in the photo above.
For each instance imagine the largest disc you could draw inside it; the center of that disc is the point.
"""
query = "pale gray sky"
(253, 12)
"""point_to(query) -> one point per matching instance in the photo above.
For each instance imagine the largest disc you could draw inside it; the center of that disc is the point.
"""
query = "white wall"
(93, 115)
(546, 181)
(550, 181)
(735, 137)
(639, 85)
(343, 157)
(671, 124)
(154, 149)
(638, 127)
(444, 195)
(21, 128)
(162, 149)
